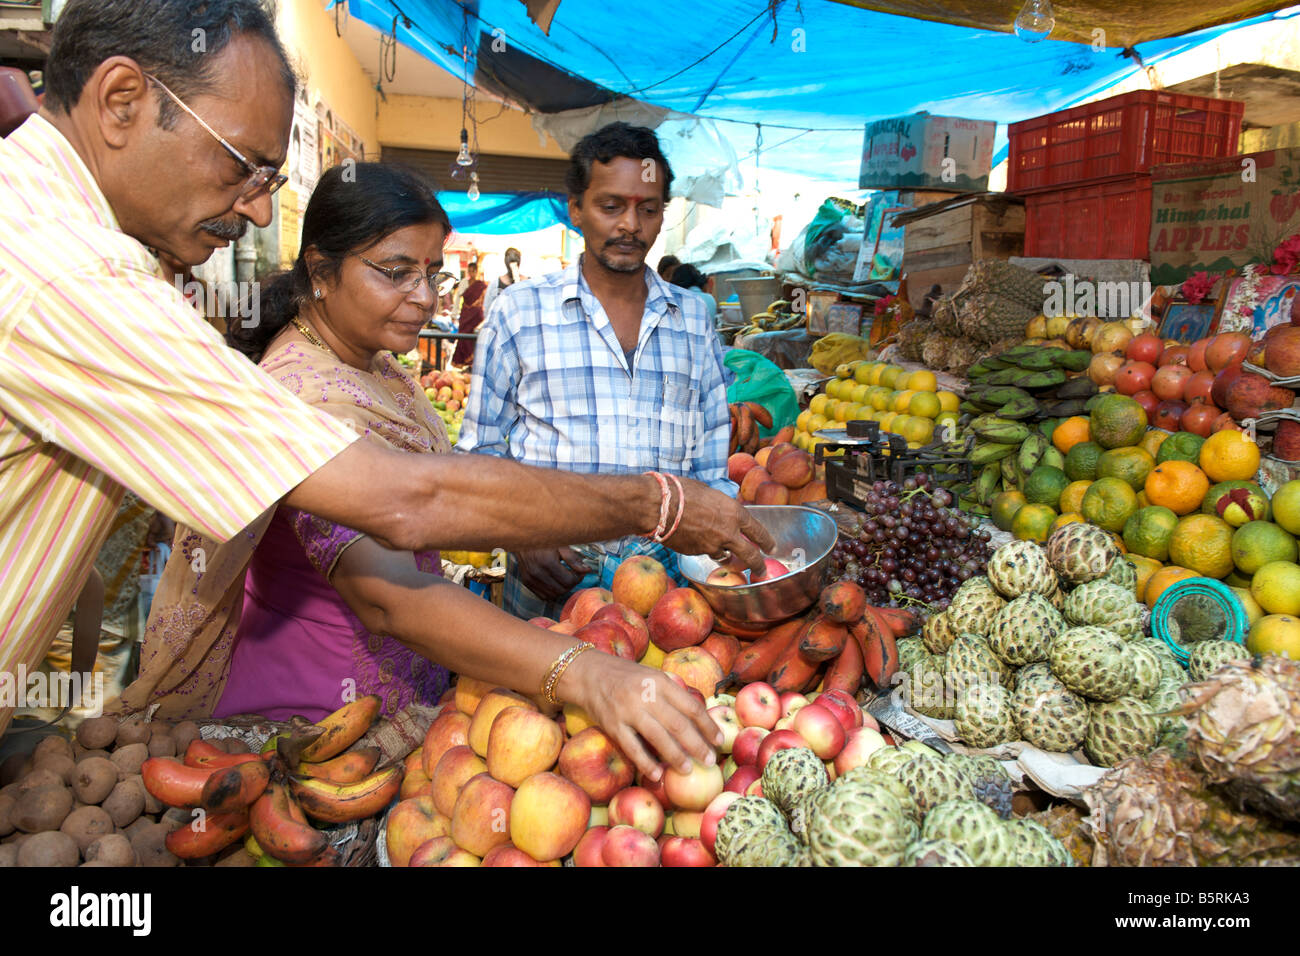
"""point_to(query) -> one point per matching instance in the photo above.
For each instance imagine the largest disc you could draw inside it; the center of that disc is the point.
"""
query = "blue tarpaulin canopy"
(812, 72)
(505, 213)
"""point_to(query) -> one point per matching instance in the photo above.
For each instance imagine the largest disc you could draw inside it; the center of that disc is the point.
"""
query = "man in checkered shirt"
(602, 367)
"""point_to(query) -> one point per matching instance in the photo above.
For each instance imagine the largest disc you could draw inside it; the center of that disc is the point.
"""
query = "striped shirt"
(110, 380)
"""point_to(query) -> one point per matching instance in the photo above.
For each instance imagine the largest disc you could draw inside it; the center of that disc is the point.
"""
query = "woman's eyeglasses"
(260, 178)
(406, 279)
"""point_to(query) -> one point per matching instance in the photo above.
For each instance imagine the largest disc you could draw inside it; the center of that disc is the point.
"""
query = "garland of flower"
(1239, 310)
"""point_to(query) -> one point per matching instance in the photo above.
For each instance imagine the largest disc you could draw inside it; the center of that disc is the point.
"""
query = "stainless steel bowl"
(804, 538)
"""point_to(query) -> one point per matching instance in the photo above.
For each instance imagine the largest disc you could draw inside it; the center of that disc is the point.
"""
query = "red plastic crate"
(1118, 136)
(1103, 220)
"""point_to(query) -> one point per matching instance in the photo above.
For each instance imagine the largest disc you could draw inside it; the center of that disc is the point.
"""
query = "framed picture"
(1187, 322)
(844, 317)
(1269, 300)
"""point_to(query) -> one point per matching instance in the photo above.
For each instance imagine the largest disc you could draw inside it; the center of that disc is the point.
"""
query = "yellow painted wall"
(330, 67)
(425, 122)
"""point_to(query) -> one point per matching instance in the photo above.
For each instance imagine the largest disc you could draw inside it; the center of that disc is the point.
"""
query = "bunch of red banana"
(838, 644)
(746, 419)
(307, 774)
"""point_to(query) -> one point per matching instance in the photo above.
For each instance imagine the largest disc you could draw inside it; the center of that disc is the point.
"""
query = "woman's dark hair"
(353, 207)
(512, 256)
(176, 40)
(607, 144)
(689, 277)
(666, 266)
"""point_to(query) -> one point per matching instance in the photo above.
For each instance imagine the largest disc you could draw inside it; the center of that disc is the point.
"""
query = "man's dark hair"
(176, 40)
(666, 266)
(606, 145)
(512, 256)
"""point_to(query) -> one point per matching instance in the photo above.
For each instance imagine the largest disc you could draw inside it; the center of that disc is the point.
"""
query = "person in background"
(666, 266)
(603, 367)
(512, 275)
(689, 277)
(471, 316)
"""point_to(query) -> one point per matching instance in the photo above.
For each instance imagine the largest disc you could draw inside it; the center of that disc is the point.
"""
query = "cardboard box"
(1223, 213)
(927, 152)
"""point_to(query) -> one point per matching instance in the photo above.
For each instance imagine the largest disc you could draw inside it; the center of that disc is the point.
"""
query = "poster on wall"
(303, 159)
(290, 224)
(335, 140)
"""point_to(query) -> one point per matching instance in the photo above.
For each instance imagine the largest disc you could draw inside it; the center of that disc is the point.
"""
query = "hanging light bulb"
(473, 192)
(463, 158)
(1035, 20)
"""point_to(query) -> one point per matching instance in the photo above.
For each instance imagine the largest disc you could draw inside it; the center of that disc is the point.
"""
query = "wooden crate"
(942, 239)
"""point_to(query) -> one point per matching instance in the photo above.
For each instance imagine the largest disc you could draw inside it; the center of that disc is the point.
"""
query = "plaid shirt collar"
(659, 299)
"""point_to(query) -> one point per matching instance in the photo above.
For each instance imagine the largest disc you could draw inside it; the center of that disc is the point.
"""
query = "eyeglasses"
(260, 178)
(406, 279)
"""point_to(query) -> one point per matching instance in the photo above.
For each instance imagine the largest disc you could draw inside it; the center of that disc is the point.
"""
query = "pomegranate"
(1196, 355)
(1199, 419)
(1282, 354)
(1224, 378)
(1148, 400)
(1225, 421)
(1174, 355)
(1134, 377)
(1145, 348)
(1225, 349)
(1111, 337)
(1169, 381)
(1198, 387)
(1104, 366)
(1286, 442)
(1169, 414)
(1252, 394)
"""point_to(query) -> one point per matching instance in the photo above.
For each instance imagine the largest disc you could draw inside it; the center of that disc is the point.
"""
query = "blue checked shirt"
(552, 386)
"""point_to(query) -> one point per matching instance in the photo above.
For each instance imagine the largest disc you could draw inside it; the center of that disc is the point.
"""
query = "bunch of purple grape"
(909, 546)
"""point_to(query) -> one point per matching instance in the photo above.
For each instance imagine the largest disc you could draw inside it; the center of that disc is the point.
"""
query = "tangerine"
(1177, 485)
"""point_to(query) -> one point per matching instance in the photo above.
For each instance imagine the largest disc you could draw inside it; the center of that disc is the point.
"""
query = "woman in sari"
(297, 615)
(471, 317)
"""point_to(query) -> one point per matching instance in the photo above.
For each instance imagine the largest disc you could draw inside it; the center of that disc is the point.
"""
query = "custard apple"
(973, 607)
(1020, 567)
(1123, 574)
(1119, 729)
(1206, 657)
(889, 759)
(1146, 670)
(1092, 662)
(973, 827)
(747, 813)
(1024, 629)
(1163, 700)
(1033, 845)
(928, 692)
(792, 774)
(989, 781)
(1047, 713)
(910, 650)
(1080, 552)
(764, 846)
(984, 715)
(859, 824)
(1098, 603)
(932, 781)
(887, 780)
(970, 661)
(936, 635)
(935, 853)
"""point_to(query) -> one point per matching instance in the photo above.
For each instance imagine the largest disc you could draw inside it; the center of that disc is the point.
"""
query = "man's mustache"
(223, 229)
(623, 242)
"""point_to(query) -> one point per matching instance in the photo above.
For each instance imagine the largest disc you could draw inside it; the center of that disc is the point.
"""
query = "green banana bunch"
(1004, 431)
(1031, 452)
(990, 452)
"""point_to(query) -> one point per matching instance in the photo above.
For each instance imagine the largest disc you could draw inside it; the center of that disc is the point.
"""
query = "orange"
(1276, 586)
(922, 381)
(1132, 464)
(1177, 485)
(1066, 518)
(1253, 611)
(1181, 445)
(1033, 523)
(1108, 503)
(1275, 634)
(1117, 421)
(1071, 432)
(1229, 456)
(901, 399)
(1204, 544)
(1146, 568)
(1081, 461)
(1148, 530)
(1004, 507)
(924, 404)
(1256, 543)
(1152, 441)
(1159, 582)
(1072, 497)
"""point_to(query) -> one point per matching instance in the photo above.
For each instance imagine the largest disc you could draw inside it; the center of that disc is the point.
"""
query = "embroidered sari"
(253, 625)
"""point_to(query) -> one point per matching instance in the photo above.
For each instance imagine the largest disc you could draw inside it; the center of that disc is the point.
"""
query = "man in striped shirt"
(109, 379)
(603, 367)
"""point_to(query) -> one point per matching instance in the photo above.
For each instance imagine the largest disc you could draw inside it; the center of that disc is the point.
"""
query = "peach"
(684, 851)
(469, 691)
(628, 846)
(813, 491)
(758, 475)
(693, 790)
(522, 742)
(493, 702)
(681, 618)
(548, 816)
(738, 466)
(637, 807)
(611, 637)
(456, 768)
(771, 493)
(758, 705)
(507, 855)
(449, 729)
(585, 604)
(723, 648)
(481, 818)
(638, 631)
(588, 850)
(792, 470)
(639, 582)
(778, 740)
(595, 763)
(696, 667)
(442, 851)
(411, 823)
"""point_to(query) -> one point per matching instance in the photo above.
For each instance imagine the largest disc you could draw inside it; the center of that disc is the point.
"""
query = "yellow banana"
(343, 728)
(341, 802)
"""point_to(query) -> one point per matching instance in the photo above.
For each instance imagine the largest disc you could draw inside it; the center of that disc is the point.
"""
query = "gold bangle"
(558, 668)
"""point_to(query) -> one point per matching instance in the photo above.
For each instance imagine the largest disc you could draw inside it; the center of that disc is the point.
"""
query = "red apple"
(442, 851)
(548, 816)
(449, 729)
(412, 823)
(821, 729)
(637, 629)
(745, 749)
(781, 740)
(522, 742)
(755, 789)
(725, 578)
(481, 818)
(595, 763)
(585, 604)
(758, 705)
(588, 850)
(681, 618)
(712, 814)
(628, 846)
(725, 717)
(637, 807)
(656, 789)
(639, 582)
(507, 855)
(696, 667)
(738, 466)
(843, 706)
(694, 790)
(608, 636)
(860, 744)
(683, 851)
(739, 781)
(455, 769)
(772, 569)
(791, 702)
(785, 723)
